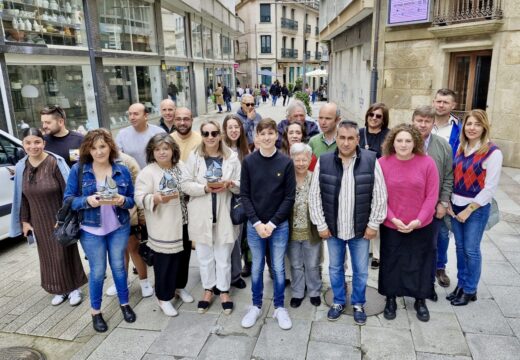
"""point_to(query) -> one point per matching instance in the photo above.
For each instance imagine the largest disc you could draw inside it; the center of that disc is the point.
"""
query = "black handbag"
(238, 215)
(144, 250)
(68, 221)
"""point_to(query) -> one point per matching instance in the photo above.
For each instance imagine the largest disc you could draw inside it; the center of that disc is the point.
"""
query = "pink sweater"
(413, 189)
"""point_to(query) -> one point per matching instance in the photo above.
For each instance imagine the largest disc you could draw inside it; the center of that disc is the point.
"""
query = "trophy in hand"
(107, 192)
(214, 175)
(168, 187)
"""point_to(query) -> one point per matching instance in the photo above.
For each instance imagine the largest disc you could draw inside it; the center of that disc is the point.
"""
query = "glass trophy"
(214, 175)
(168, 187)
(107, 193)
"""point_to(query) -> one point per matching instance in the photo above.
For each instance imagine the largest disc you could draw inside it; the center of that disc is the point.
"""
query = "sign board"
(406, 12)
(235, 66)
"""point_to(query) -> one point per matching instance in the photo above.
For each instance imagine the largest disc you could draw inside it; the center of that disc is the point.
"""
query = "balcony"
(308, 29)
(307, 55)
(289, 24)
(317, 55)
(466, 17)
(289, 53)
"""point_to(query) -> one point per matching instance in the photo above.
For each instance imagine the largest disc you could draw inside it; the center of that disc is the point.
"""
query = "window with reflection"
(196, 38)
(173, 32)
(217, 45)
(206, 42)
(226, 47)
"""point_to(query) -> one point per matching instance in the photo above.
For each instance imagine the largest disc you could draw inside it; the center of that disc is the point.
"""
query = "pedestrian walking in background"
(249, 117)
(257, 95)
(285, 94)
(219, 97)
(264, 93)
(275, 90)
(227, 98)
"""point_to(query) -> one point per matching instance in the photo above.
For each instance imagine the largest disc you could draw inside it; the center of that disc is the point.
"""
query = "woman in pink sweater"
(407, 243)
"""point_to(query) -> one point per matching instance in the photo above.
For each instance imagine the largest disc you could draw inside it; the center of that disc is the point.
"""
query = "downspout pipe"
(373, 72)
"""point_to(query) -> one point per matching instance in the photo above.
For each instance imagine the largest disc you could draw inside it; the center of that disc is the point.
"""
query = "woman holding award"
(157, 192)
(211, 174)
(103, 198)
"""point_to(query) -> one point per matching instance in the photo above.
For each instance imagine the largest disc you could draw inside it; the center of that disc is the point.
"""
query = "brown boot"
(442, 279)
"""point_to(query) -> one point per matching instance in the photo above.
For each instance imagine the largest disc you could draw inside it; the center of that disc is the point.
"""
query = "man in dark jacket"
(249, 117)
(167, 115)
(347, 202)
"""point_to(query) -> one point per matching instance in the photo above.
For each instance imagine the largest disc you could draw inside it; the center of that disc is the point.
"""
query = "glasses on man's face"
(248, 104)
(213, 134)
(184, 119)
(375, 116)
(53, 109)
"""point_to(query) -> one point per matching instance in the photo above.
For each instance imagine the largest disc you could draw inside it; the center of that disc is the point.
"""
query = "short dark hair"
(89, 140)
(32, 132)
(424, 110)
(266, 123)
(56, 111)
(447, 92)
(159, 139)
(384, 109)
(348, 124)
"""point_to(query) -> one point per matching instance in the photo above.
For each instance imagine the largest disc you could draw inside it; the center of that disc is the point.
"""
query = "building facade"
(96, 57)
(280, 37)
(470, 46)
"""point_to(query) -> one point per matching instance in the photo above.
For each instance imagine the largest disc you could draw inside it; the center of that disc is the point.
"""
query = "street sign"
(235, 66)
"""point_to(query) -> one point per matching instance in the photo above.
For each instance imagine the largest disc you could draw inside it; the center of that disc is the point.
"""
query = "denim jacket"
(16, 226)
(92, 216)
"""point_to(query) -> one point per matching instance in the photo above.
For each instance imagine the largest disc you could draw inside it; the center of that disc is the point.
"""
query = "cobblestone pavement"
(486, 329)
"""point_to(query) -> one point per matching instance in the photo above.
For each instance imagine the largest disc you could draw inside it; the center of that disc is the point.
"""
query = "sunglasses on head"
(375, 116)
(212, 133)
(248, 104)
(53, 109)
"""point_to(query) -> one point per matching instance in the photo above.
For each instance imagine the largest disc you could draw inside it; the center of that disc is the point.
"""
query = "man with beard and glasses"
(187, 139)
(58, 139)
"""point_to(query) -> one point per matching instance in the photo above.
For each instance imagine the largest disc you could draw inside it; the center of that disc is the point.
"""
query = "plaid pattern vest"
(469, 175)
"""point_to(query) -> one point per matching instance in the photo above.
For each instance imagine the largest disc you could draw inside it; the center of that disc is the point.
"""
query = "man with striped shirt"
(347, 202)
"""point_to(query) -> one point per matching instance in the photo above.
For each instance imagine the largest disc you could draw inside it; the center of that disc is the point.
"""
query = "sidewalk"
(486, 329)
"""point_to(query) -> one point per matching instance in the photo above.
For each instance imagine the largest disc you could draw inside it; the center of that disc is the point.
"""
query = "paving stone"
(490, 252)
(500, 273)
(231, 324)
(485, 347)
(306, 311)
(385, 343)
(515, 325)
(150, 316)
(89, 347)
(124, 344)
(471, 318)
(160, 357)
(507, 299)
(336, 333)
(324, 350)
(512, 256)
(275, 343)
(428, 356)
(230, 347)
(400, 321)
(441, 335)
(185, 335)
(507, 242)
(51, 348)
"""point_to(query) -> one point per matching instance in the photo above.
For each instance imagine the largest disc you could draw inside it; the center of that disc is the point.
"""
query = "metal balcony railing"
(317, 55)
(289, 24)
(289, 53)
(447, 12)
(308, 29)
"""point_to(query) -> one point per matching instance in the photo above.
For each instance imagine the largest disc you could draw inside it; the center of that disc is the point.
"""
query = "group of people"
(392, 192)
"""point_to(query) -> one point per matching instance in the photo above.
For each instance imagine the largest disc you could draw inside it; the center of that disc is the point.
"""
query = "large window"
(207, 42)
(265, 44)
(265, 12)
(217, 45)
(173, 32)
(127, 25)
(196, 38)
(226, 47)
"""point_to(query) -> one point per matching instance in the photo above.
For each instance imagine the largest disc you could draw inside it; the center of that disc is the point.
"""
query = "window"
(265, 44)
(265, 12)
(196, 38)
(266, 79)
(206, 42)
(173, 33)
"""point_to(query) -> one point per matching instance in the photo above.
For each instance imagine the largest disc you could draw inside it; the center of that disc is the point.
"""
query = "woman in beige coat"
(210, 176)
(219, 97)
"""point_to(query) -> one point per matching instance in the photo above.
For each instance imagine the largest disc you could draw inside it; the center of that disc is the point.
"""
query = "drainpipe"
(373, 73)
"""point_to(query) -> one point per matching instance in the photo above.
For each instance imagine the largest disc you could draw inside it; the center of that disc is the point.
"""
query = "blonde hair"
(480, 116)
(223, 149)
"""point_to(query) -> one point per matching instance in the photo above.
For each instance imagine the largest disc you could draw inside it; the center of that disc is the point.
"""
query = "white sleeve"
(315, 204)
(493, 166)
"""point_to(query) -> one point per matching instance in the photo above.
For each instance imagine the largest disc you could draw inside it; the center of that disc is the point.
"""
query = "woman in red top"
(407, 242)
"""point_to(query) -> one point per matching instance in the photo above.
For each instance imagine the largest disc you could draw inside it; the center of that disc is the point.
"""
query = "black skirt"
(406, 262)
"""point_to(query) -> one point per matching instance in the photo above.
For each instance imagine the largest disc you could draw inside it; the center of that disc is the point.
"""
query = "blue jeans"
(359, 254)
(274, 99)
(96, 248)
(277, 247)
(468, 236)
(443, 240)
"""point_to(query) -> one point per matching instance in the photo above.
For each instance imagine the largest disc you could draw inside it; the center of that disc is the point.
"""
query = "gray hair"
(300, 148)
(294, 105)
(348, 124)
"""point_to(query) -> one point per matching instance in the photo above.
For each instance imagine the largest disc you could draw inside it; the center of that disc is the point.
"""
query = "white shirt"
(445, 131)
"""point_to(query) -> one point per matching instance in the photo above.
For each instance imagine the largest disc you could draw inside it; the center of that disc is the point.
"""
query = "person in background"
(264, 93)
(304, 240)
(267, 172)
(295, 133)
(227, 98)
(477, 166)
(256, 94)
(371, 138)
(407, 235)
(209, 209)
(167, 115)
(296, 112)
(165, 216)
(328, 120)
(235, 139)
(58, 139)
(219, 97)
(249, 117)
(39, 183)
(104, 228)
(285, 94)
(275, 90)
(446, 124)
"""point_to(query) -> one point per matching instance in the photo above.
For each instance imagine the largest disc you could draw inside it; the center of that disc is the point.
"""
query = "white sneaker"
(146, 288)
(167, 308)
(75, 297)
(284, 321)
(253, 313)
(112, 291)
(184, 295)
(58, 299)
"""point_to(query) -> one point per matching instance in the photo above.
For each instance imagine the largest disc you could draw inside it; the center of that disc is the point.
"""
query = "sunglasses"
(375, 116)
(53, 109)
(248, 104)
(213, 134)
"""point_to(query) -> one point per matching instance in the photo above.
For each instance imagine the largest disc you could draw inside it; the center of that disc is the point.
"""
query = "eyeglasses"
(249, 104)
(53, 109)
(212, 133)
(375, 116)
(184, 119)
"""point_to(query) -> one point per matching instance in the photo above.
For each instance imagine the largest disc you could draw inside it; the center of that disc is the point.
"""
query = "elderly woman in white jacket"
(210, 176)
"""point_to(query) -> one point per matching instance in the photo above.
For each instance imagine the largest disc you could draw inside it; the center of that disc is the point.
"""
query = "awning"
(317, 73)
(267, 73)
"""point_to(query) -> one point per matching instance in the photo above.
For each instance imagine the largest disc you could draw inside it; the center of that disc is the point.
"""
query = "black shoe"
(134, 270)
(464, 299)
(287, 282)
(390, 308)
(315, 300)
(246, 270)
(433, 296)
(99, 323)
(128, 313)
(239, 284)
(422, 311)
(457, 292)
(296, 302)
(375, 264)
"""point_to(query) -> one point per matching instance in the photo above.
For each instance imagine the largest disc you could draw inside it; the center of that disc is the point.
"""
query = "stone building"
(470, 46)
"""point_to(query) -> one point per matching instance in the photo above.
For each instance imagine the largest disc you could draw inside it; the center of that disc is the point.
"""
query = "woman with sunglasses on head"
(371, 137)
(293, 134)
(39, 183)
(210, 175)
(105, 228)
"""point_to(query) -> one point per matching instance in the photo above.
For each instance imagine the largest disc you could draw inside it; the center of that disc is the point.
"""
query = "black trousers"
(166, 270)
(184, 261)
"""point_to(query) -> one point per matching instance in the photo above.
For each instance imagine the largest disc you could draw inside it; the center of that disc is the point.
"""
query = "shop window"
(196, 39)
(178, 80)
(174, 35)
(127, 25)
(44, 22)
